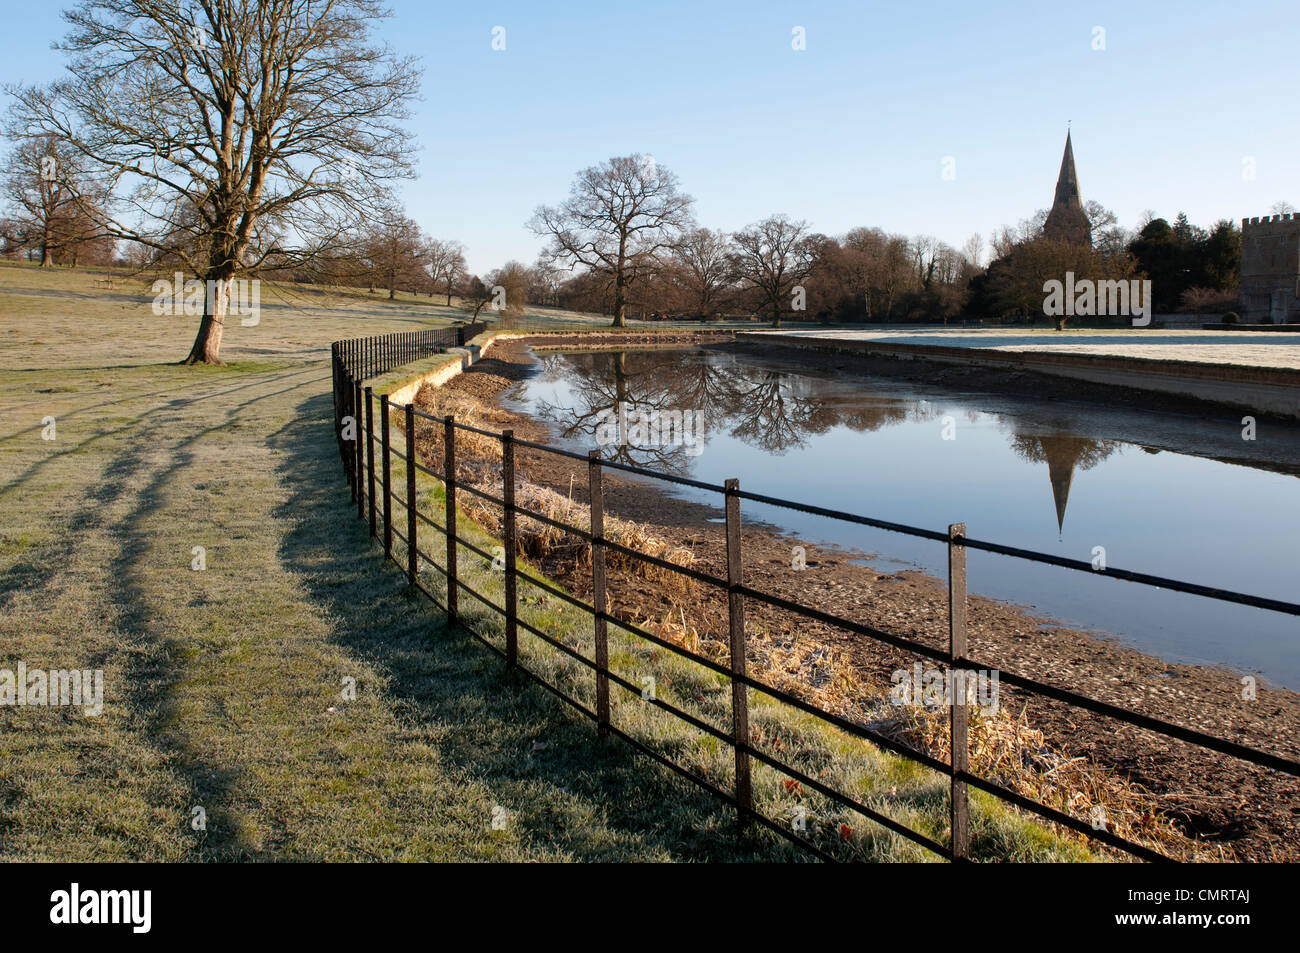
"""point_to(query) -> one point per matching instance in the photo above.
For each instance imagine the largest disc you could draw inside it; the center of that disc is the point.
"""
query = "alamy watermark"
(133, 908)
(657, 428)
(53, 688)
(1086, 297)
(181, 297)
(935, 688)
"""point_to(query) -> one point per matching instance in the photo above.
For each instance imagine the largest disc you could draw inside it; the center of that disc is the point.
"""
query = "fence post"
(959, 760)
(412, 554)
(600, 629)
(343, 387)
(358, 427)
(508, 506)
(386, 444)
(370, 458)
(449, 482)
(736, 630)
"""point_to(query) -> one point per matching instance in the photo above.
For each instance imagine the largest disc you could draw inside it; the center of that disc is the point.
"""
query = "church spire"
(1067, 183)
(1067, 221)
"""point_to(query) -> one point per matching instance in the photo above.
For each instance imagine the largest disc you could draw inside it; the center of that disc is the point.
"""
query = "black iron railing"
(355, 408)
(358, 358)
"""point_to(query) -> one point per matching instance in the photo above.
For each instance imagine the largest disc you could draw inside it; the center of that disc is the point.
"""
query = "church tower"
(1067, 221)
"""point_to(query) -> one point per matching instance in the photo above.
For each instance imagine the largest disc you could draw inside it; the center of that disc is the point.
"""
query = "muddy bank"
(1227, 808)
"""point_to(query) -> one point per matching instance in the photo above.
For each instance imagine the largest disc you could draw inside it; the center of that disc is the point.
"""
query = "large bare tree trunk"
(620, 304)
(207, 343)
(47, 257)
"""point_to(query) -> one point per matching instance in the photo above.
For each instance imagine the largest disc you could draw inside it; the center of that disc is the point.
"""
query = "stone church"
(1270, 270)
(1067, 221)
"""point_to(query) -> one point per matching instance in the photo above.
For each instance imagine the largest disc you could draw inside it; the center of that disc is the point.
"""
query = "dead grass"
(1008, 750)
(478, 463)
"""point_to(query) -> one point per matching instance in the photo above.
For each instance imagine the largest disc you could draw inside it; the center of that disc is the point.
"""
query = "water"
(1182, 496)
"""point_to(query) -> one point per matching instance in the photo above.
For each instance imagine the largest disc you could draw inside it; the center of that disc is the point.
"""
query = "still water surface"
(1182, 496)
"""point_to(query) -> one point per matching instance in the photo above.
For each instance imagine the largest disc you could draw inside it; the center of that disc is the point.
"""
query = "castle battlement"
(1270, 268)
(1266, 220)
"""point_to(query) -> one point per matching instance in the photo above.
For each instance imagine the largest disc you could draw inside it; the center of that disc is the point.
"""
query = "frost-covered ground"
(1245, 348)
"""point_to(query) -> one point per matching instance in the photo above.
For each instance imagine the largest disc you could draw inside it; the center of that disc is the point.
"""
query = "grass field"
(224, 688)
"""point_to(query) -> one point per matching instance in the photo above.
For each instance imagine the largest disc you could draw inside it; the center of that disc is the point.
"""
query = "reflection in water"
(1064, 453)
(769, 409)
(873, 446)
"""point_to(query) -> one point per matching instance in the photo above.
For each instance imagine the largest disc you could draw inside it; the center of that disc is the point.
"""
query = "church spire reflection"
(1063, 453)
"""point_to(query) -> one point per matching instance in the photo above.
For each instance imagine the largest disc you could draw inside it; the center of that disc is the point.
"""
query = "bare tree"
(619, 218)
(395, 253)
(1108, 236)
(704, 260)
(545, 281)
(231, 131)
(477, 296)
(42, 183)
(445, 264)
(509, 285)
(772, 256)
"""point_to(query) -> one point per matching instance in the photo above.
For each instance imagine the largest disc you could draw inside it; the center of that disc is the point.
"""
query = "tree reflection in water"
(769, 409)
(764, 407)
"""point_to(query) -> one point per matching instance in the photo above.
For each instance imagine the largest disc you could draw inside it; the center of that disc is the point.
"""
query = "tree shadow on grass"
(584, 798)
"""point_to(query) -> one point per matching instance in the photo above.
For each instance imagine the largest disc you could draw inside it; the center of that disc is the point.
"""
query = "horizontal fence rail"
(359, 437)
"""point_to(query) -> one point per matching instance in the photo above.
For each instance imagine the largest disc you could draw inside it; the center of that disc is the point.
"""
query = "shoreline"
(1232, 382)
(1216, 800)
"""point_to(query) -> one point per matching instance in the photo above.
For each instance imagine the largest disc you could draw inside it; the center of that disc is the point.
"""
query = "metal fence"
(357, 359)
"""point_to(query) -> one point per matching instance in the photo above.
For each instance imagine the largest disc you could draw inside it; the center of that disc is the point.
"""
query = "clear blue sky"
(851, 131)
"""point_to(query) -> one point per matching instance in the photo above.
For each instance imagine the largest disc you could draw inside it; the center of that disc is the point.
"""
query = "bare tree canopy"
(48, 195)
(231, 133)
(772, 256)
(445, 263)
(620, 218)
(477, 295)
(393, 249)
(704, 259)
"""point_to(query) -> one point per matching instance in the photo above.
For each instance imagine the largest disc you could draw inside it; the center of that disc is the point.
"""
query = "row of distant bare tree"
(628, 228)
(54, 214)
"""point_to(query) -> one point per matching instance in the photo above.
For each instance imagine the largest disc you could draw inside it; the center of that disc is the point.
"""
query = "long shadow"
(38, 568)
(440, 675)
(150, 671)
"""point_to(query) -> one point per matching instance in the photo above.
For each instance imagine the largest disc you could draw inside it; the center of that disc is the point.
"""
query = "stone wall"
(1270, 269)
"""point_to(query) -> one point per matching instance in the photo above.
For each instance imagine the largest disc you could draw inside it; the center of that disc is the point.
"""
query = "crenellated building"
(1270, 270)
